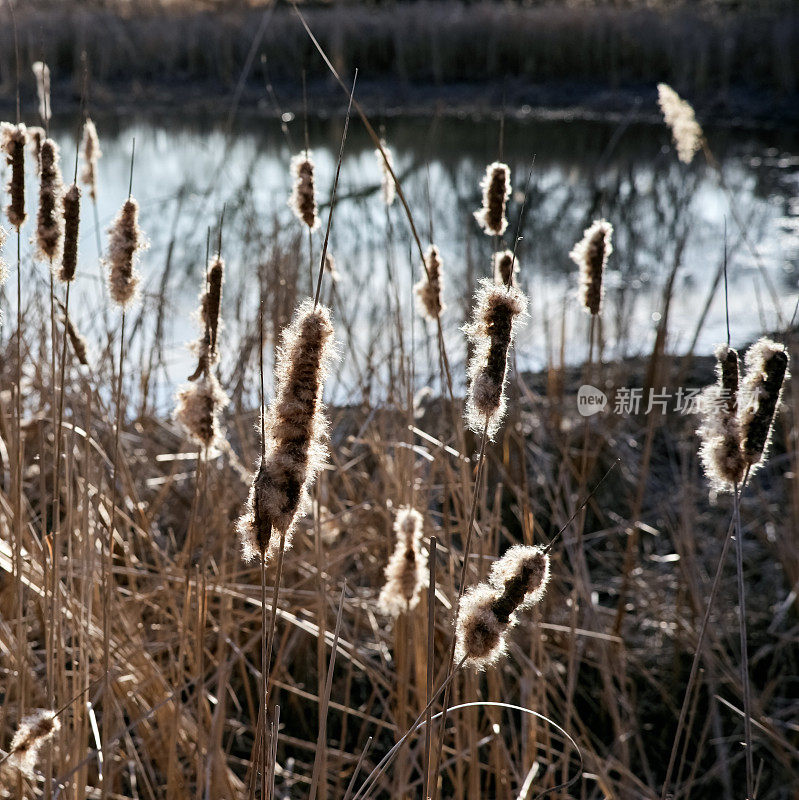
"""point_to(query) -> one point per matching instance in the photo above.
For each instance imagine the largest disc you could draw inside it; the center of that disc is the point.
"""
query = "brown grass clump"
(69, 259)
(591, 256)
(125, 241)
(14, 138)
(491, 333)
(34, 731)
(387, 181)
(506, 267)
(496, 191)
(487, 611)
(42, 73)
(295, 430)
(680, 117)
(198, 407)
(91, 154)
(720, 432)
(428, 289)
(303, 196)
(761, 392)
(407, 568)
(49, 223)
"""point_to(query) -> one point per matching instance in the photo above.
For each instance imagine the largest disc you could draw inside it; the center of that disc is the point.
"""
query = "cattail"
(295, 430)
(198, 407)
(14, 138)
(407, 568)
(36, 137)
(591, 255)
(720, 431)
(496, 191)
(49, 223)
(91, 154)
(506, 267)
(680, 117)
(125, 240)
(3, 265)
(69, 259)
(491, 333)
(210, 302)
(330, 267)
(428, 290)
(517, 581)
(303, 197)
(34, 730)
(387, 182)
(80, 346)
(761, 391)
(42, 73)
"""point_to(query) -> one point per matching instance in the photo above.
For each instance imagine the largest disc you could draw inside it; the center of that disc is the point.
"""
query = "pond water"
(666, 217)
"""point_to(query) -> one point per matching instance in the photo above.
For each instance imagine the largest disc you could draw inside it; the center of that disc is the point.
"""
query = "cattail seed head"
(521, 575)
(125, 241)
(428, 290)
(49, 222)
(720, 432)
(69, 259)
(506, 267)
(479, 635)
(34, 731)
(491, 333)
(591, 256)
(303, 197)
(295, 430)
(91, 154)
(42, 73)
(680, 117)
(761, 392)
(206, 346)
(36, 136)
(496, 191)
(407, 568)
(14, 138)
(198, 407)
(387, 181)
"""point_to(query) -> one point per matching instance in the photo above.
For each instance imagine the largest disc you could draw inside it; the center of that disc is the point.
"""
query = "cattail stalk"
(406, 570)
(429, 289)
(591, 256)
(496, 191)
(680, 117)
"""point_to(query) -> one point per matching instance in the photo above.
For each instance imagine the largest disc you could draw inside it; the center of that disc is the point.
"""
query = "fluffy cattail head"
(36, 137)
(210, 303)
(521, 575)
(198, 407)
(49, 221)
(766, 370)
(34, 731)
(680, 117)
(480, 637)
(295, 431)
(303, 197)
(496, 191)
(14, 138)
(591, 255)
(91, 154)
(428, 290)
(720, 431)
(387, 182)
(406, 570)
(42, 73)
(491, 333)
(69, 259)
(506, 267)
(125, 241)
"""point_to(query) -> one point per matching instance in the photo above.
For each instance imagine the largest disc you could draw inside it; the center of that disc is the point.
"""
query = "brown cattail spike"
(210, 303)
(91, 154)
(125, 241)
(36, 137)
(198, 407)
(49, 221)
(761, 392)
(295, 432)
(680, 117)
(14, 138)
(69, 260)
(591, 256)
(34, 731)
(303, 196)
(407, 568)
(496, 191)
(428, 290)
(506, 267)
(491, 333)
(720, 432)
